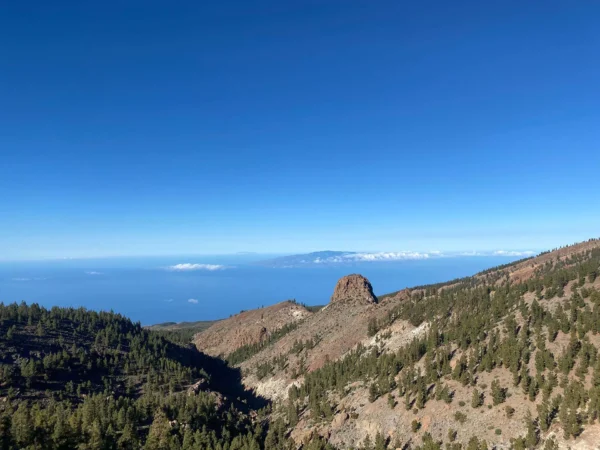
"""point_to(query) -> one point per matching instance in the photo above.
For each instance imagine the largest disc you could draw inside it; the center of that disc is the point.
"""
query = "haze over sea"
(151, 291)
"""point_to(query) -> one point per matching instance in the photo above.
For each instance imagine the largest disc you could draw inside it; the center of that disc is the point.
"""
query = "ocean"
(146, 290)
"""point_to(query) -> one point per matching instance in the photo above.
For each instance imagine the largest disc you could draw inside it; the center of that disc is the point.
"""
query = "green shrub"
(415, 425)
(460, 417)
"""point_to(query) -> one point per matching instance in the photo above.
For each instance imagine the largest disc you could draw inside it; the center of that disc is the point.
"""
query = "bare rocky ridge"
(324, 336)
(248, 327)
(353, 287)
(328, 335)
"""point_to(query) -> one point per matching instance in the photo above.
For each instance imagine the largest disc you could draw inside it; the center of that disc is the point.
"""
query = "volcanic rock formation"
(353, 287)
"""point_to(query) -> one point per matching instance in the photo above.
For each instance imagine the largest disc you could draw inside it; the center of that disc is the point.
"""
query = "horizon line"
(431, 253)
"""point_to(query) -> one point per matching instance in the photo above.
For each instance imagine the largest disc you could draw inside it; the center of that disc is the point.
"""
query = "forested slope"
(71, 378)
(506, 361)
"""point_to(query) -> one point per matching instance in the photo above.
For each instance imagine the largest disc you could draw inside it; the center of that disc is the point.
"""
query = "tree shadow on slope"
(222, 378)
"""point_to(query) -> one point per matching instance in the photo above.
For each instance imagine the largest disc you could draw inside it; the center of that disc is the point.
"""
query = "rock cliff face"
(353, 288)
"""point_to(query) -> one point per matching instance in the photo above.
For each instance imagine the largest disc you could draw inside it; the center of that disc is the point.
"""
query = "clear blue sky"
(133, 128)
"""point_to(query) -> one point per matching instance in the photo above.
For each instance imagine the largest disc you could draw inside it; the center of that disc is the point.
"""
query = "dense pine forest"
(72, 378)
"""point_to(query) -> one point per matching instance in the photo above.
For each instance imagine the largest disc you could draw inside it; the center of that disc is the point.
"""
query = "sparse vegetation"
(483, 324)
(246, 351)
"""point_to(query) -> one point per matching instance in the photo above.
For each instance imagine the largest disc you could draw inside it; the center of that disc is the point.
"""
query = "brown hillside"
(341, 325)
(526, 269)
(327, 335)
(248, 327)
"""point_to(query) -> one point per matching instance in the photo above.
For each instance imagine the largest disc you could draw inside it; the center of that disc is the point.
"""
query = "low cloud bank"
(187, 267)
(29, 279)
(327, 257)
(513, 253)
(409, 255)
(378, 256)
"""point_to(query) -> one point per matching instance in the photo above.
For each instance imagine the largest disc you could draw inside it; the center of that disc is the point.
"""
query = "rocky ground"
(248, 327)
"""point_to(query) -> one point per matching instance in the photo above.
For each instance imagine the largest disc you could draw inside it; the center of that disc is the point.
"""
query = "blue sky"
(138, 128)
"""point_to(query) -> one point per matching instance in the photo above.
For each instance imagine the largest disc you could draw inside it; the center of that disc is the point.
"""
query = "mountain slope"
(250, 328)
(509, 356)
(525, 350)
(71, 378)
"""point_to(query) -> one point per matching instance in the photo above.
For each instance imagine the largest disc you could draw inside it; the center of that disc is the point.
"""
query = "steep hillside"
(325, 336)
(511, 362)
(509, 356)
(71, 378)
(250, 329)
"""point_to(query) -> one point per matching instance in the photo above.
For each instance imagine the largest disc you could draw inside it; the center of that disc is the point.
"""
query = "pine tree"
(498, 393)
(158, 436)
(5, 433)
(532, 438)
(476, 400)
(373, 392)
(380, 442)
(391, 401)
(129, 438)
(22, 426)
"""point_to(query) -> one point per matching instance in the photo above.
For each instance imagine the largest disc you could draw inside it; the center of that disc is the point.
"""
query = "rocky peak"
(353, 287)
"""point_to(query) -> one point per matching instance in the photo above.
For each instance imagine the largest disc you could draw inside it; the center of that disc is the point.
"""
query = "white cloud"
(189, 267)
(513, 253)
(378, 256)
(471, 253)
(29, 279)
(388, 256)
(193, 300)
(92, 272)
(169, 300)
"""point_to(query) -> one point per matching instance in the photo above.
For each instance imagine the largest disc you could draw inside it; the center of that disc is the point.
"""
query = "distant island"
(342, 257)
(332, 257)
